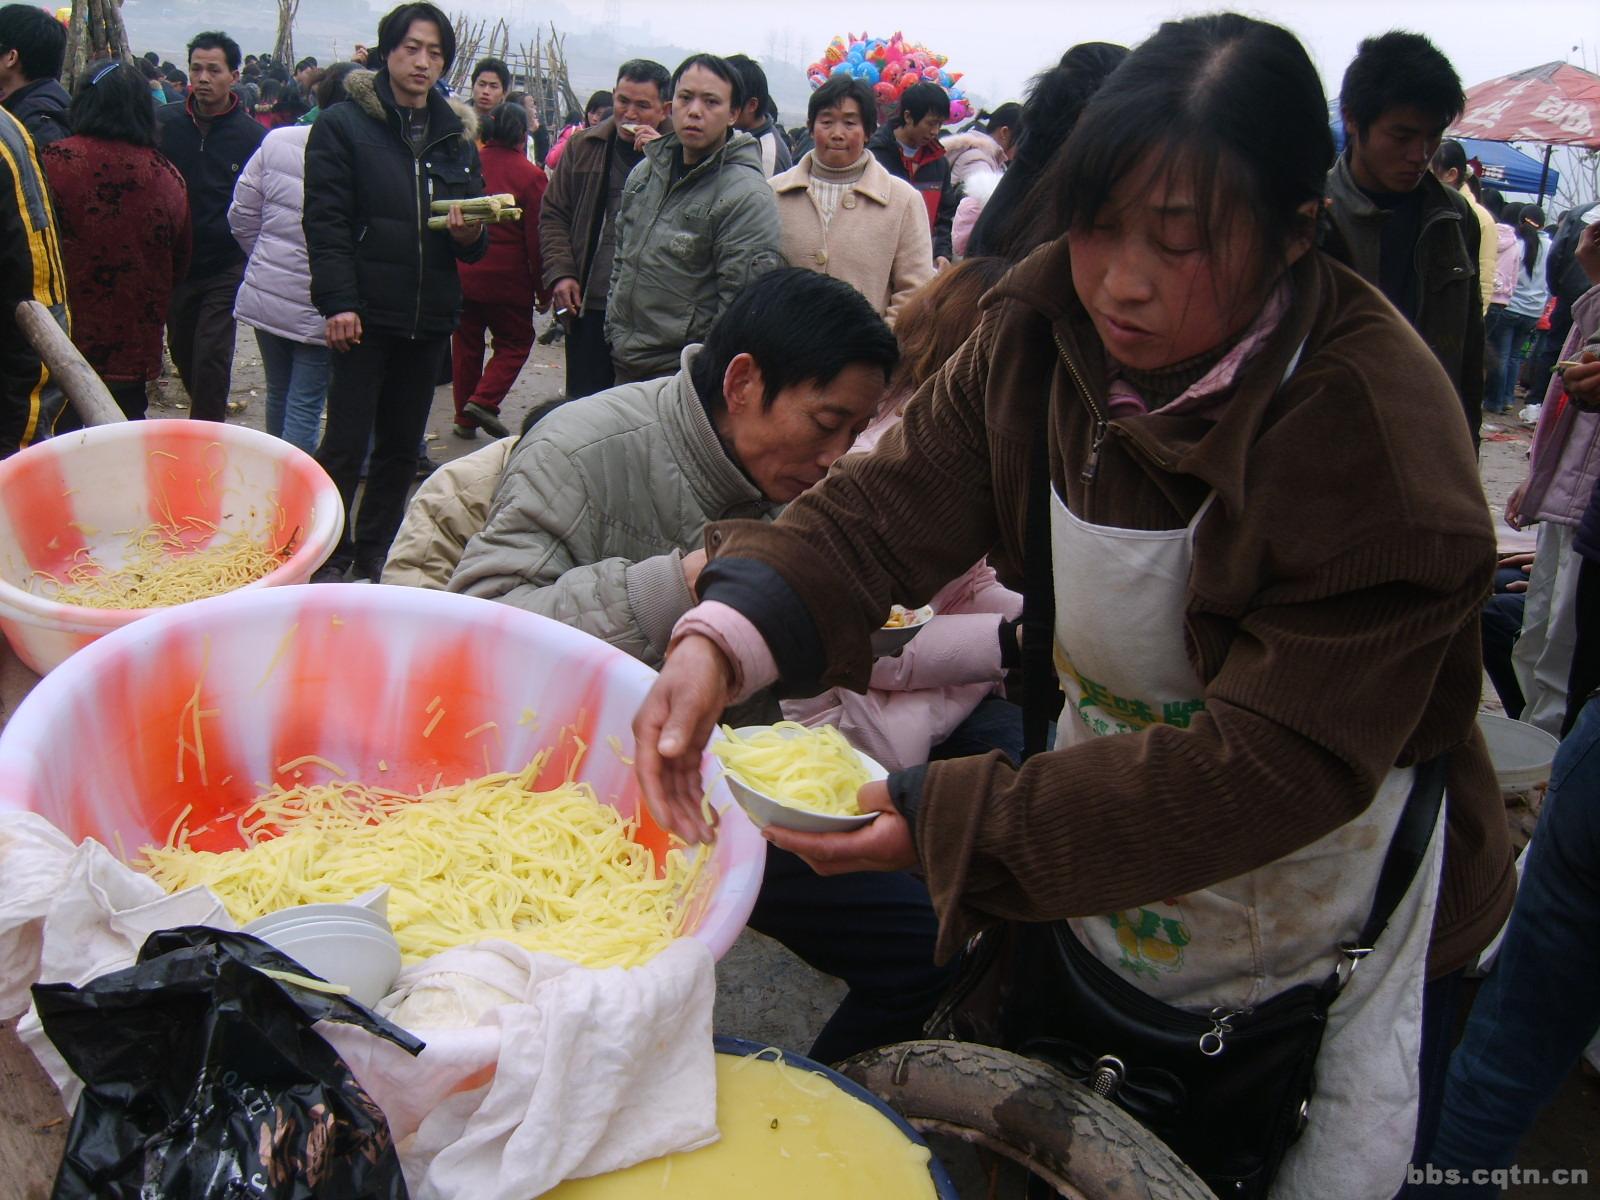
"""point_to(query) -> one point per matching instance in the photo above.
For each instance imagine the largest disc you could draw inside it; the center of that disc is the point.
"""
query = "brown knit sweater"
(1332, 610)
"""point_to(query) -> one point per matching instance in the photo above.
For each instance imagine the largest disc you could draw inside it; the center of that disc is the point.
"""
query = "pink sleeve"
(966, 219)
(754, 667)
(950, 651)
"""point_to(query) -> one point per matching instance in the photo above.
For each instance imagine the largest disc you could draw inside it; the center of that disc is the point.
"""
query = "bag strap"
(1412, 836)
(1038, 596)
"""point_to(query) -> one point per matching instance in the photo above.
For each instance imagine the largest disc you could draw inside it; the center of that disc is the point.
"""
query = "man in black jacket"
(32, 47)
(386, 283)
(209, 138)
(909, 149)
(30, 269)
(1394, 224)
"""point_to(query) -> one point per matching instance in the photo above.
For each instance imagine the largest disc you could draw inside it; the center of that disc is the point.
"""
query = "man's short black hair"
(151, 57)
(800, 327)
(645, 70)
(397, 23)
(495, 67)
(1400, 70)
(718, 66)
(835, 92)
(303, 64)
(920, 99)
(755, 82)
(215, 40)
(38, 38)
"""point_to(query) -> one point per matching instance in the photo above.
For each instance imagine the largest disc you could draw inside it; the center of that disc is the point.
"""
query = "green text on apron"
(1121, 657)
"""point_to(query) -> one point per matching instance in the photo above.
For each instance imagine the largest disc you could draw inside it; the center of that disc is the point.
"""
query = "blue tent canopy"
(1504, 166)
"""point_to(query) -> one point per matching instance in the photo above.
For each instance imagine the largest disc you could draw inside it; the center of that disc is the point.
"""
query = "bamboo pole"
(69, 370)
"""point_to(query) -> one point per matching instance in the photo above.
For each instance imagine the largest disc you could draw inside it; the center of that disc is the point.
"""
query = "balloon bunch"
(889, 66)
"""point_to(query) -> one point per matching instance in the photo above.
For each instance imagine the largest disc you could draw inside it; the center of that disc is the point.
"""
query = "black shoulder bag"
(1229, 1090)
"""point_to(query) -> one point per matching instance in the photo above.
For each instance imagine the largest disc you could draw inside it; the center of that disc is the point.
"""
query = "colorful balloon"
(886, 93)
(843, 68)
(867, 72)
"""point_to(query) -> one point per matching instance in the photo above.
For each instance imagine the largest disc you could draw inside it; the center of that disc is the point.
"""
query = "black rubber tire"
(1083, 1146)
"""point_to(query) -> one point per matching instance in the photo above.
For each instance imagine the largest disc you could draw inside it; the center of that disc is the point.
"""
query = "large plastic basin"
(347, 672)
(84, 490)
(1521, 753)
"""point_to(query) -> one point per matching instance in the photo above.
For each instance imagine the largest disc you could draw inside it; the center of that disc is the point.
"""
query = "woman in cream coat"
(844, 215)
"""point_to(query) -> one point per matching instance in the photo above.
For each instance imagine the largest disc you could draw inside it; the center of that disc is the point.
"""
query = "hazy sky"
(999, 44)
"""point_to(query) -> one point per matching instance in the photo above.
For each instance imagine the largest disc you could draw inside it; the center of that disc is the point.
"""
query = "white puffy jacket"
(265, 219)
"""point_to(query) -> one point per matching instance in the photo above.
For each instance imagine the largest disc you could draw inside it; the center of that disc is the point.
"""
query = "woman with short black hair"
(123, 212)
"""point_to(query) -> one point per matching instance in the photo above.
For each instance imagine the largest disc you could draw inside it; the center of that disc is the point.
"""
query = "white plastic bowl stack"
(342, 943)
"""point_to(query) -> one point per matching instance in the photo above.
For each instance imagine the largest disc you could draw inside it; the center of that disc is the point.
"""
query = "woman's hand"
(1583, 382)
(884, 845)
(1524, 563)
(671, 730)
(1514, 505)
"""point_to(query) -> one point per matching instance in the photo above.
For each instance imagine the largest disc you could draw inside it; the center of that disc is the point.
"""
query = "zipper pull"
(1212, 1041)
(1092, 467)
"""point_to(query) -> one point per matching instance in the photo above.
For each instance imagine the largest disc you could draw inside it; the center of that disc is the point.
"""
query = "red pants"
(512, 327)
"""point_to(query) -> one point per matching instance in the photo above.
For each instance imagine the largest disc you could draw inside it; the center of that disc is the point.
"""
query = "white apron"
(1121, 657)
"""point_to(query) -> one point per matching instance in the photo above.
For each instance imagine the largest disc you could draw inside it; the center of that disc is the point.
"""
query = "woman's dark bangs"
(1110, 141)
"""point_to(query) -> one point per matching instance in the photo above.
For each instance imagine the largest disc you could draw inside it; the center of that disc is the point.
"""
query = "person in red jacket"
(500, 290)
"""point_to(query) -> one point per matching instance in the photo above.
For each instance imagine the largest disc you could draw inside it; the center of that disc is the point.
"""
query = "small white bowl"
(763, 810)
(356, 954)
(886, 643)
(285, 918)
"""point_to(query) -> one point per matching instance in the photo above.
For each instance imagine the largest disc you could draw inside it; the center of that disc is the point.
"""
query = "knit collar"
(849, 174)
(1198, 385)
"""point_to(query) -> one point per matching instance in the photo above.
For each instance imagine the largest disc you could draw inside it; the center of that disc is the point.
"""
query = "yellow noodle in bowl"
(811, 769)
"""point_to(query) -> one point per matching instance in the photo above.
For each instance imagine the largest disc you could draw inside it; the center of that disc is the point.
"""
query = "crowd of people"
(1169, 410)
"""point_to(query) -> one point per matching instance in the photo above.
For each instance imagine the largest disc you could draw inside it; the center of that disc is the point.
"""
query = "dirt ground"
(766, 994)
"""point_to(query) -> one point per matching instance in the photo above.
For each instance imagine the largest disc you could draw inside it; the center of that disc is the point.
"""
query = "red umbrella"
(1557, 104)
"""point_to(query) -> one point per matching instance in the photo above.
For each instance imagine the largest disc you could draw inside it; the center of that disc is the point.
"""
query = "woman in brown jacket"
(1266, 576)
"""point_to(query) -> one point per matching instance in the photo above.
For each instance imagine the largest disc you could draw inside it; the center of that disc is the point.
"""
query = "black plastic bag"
(204, 1080)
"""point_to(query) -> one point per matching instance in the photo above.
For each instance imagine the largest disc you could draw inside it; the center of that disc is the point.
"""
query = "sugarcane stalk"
(477, 203)
(498, 217)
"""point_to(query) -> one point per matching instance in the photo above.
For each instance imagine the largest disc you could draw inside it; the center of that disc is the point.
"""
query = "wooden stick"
(68, 369)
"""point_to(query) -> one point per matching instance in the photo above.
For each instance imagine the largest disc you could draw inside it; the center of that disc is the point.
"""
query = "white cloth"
(1542, 658)
(1124, 668)
(541, 1070)
(71, 913)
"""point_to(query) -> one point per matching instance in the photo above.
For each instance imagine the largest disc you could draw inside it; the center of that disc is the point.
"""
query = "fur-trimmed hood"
(362, 88)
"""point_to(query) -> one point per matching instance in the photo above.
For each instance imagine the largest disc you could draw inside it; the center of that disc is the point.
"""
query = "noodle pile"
(555, 871)
(813, 769)
(901, 617)
(161, 566)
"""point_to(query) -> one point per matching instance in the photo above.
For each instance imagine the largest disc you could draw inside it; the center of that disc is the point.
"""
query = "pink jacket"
(1565, 461)
(918, 697)
(1508, 262)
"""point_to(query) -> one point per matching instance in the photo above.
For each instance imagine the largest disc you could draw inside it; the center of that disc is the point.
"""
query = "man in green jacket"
(697, 223)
